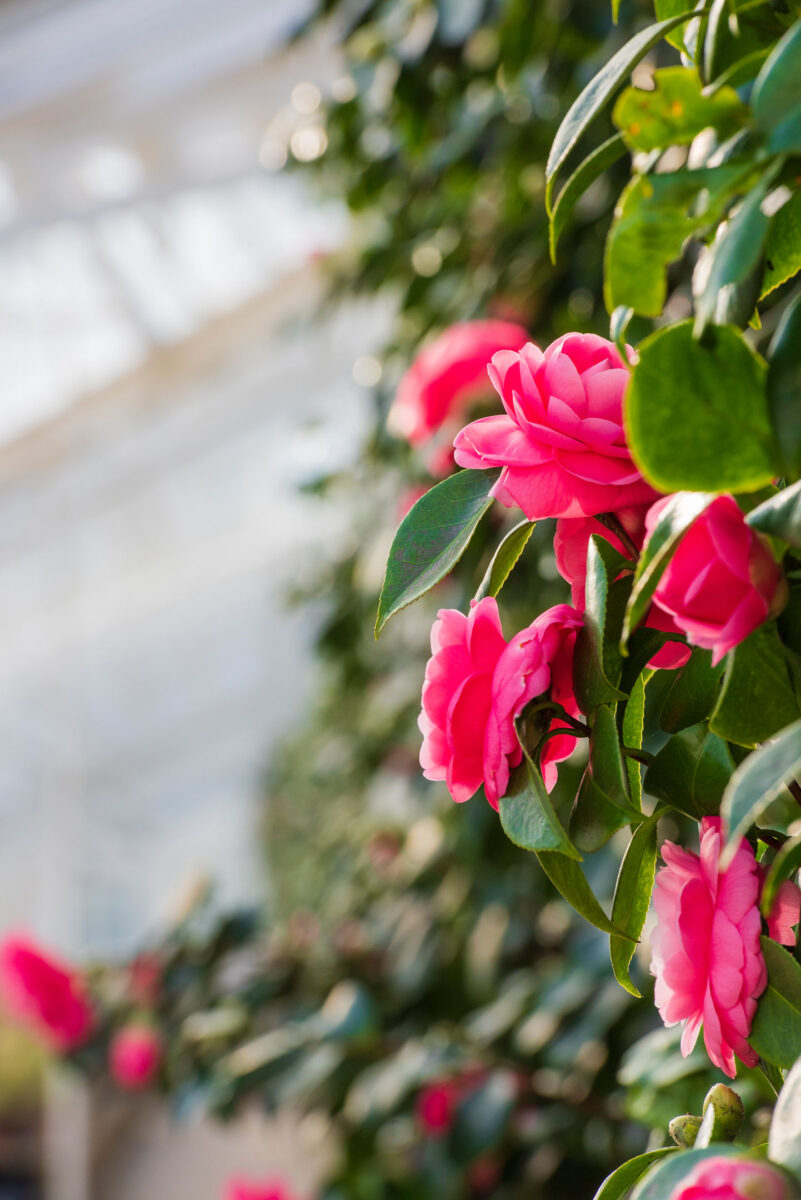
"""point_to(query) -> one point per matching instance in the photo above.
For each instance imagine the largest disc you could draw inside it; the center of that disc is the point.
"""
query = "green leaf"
(505, 559)
(662, 1180)
(737, 42)
(757, 698)
(528, 818)
(690, 772)
(693, 693)
(594, 165)
(784, 387)
(632, 731)
(783, 246)
(653, 218)
(675, 111)
(432, 538)
(635, 883)
(606, 760)
(570, 881)
(776, 98)
(617, 1185)
(776, 1031)
(697, 415)
(780, 516)
(664, 9)
(675, 517)
(758, 781)
(785, 864)
(596, 816)
(731, 263)
(784, 1139)
(596, 661)
(599, 92)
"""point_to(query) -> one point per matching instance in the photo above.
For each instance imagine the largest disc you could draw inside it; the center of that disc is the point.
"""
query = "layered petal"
(561, 444)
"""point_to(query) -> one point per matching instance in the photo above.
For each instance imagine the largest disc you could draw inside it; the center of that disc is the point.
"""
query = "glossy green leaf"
(759, 780)
(675, 111)
(596, 662)
(783, 246)
(432, 538)
(784, 1140)
(776, 1031)
(675, 516)
(731, 265)
(776, 98)
(661, 1181)
(697, 414)
(528, 818)
(693, 692)
(504, 560)
(784, 388)
(784, 866)
(757, 697)
(596, 816)
(570, 881)
(606, 759)
(600, 90)
(691, 772)
(632, 731)
(653, 218)
(635, 883)
(780, 516)
(603, 157)
(618, 1185)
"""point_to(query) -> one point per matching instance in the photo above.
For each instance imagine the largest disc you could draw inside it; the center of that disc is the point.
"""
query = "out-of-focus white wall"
(165, 392)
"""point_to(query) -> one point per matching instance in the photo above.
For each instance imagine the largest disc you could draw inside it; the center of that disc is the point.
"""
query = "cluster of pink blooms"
(52, 999)
(561, 449)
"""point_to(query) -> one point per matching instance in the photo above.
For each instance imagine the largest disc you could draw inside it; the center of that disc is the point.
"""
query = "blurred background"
(225, 230)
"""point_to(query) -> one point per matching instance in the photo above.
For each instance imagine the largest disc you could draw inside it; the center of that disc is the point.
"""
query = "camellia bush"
(669, 464)
(639, 746)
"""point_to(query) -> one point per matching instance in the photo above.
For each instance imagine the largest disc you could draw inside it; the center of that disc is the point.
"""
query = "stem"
(641, 756)
(613, 522)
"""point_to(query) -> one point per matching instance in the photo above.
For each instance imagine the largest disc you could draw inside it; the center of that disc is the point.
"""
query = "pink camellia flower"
(45, 994)
(724, 1178)
(448, 375)
(571, 543)
(722, 581)
(475, 685)
(706, 954)
(134, 1056)
(560, 442)
(247, 1189)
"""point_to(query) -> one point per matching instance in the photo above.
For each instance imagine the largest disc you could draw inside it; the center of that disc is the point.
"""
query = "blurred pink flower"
(448, 375)
(475, 685)
(45, 994)
(246, 1189)
(134, 1056)
(436, 1105)
(561, 442)
(706, 954)
(723, 1178)
(723, 581)
(571, 542)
